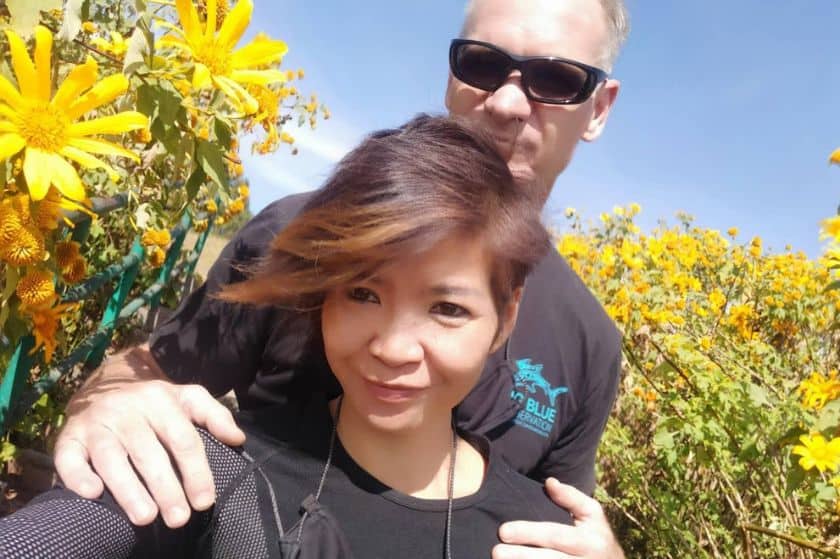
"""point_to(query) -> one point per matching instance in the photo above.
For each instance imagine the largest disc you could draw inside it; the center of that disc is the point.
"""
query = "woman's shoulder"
(517, 497)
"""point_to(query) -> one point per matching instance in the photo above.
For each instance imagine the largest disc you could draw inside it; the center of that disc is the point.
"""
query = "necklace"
(450, 490)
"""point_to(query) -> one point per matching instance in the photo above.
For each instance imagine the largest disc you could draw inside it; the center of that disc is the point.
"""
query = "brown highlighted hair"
(400, 192)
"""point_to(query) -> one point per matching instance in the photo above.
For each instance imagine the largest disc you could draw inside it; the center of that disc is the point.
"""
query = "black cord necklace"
(450, 491)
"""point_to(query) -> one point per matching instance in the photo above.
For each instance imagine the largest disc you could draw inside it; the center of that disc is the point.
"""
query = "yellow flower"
(65, 253)
(47, 130)
(818, 390)
(635, 209)
(156, 237)
(45, 320)
(287, 138)
(834, 157)
(237, 206)
(717, 299)
(26, 248)
(244, 191)
(75, 271)
(210, 206)
(831, 228)
(300, 74)
(116, 47)
(570, 212)
(815, 451)
(732, 232)
(156, 256)
(89, 27)
(36, 288)
(214, 58)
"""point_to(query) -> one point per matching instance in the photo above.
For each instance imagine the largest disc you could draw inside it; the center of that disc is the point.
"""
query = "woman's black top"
(263, 490)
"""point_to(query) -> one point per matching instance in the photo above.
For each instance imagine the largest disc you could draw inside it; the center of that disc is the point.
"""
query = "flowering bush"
(725, 439)
(150, 100)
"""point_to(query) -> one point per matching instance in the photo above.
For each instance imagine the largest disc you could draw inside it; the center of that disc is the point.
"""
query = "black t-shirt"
(262, 491)
(543, 399)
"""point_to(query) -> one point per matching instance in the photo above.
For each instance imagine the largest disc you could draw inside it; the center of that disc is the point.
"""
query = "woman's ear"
(507, 320)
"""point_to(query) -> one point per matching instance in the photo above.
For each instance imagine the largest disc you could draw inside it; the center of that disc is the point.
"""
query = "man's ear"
(604, 100)
(507, 320)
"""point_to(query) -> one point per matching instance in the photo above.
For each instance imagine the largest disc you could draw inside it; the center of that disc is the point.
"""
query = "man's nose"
(509, 102)
(397, 343)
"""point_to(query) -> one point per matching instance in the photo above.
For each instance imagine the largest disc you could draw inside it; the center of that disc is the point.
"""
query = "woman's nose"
(397, 343)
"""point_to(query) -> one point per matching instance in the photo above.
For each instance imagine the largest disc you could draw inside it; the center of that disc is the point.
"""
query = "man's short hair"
(618, 28)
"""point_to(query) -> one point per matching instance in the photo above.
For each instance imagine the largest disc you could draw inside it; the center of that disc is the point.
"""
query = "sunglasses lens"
(480, 66)
(555, 80)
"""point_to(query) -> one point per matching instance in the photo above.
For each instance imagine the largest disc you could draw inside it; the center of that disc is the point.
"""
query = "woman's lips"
(392, 392)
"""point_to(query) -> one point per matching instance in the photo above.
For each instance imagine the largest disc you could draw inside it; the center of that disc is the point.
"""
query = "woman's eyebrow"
(454, 289)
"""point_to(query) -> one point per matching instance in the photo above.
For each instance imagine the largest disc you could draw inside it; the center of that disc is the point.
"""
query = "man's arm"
(129, 414)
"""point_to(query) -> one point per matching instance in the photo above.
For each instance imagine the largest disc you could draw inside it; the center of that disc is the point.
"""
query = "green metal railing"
(17, 393)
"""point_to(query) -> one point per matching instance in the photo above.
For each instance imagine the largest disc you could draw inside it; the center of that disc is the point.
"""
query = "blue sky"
(728, 110)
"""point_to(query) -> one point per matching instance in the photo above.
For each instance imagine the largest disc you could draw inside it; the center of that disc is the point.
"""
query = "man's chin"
(527, 179)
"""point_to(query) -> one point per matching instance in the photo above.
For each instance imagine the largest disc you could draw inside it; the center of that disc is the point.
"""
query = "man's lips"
(392, 392)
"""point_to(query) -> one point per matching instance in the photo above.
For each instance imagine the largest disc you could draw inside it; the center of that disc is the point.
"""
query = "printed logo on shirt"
(539, 397)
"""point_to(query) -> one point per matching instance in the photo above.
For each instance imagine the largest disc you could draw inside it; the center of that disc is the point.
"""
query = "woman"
(406, 268)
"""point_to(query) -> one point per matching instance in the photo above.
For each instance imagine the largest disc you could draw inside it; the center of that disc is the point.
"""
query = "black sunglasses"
(545, 79)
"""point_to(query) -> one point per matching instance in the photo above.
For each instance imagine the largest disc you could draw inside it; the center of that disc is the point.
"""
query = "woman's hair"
(399, 193)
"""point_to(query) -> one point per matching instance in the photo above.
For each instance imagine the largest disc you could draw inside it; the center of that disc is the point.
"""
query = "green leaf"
(795, 477)
(663, 439)
(211, 159)
(222, 131)
(758, 395)
(829, 416)
(195, 181)
(72, 23)
(139, 50)
(833, 285)
(26, 14)
(7, 451)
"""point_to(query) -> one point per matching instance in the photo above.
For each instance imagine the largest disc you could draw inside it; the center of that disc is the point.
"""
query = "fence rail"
(17, 392)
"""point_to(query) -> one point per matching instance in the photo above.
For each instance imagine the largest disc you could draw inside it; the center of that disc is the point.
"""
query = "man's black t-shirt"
(262, 491)
(543, 399)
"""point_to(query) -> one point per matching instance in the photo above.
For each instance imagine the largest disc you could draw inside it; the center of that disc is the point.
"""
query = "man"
(547, 394)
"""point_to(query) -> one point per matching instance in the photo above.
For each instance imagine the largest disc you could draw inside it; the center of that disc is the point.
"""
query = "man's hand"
(127, 415)
(590, 537)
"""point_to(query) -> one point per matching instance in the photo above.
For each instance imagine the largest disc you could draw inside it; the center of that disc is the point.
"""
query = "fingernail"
(204, 500)
(177, 515)
(139, 514)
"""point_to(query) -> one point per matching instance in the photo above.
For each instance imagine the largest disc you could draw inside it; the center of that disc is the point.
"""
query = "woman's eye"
(363, 295)
(450, 310)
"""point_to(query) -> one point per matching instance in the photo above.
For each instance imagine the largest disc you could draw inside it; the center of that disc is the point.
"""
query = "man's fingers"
(547, 535)
(178, 435)
(206, 411)
(152, 462)
(507, 551)
(109, 459)
(579, 504)
(71, 463)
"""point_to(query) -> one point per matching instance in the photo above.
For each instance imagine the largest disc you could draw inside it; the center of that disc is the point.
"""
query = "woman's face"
(410, 343)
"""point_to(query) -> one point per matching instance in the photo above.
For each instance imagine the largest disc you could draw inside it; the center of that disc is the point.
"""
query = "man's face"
(537, 139)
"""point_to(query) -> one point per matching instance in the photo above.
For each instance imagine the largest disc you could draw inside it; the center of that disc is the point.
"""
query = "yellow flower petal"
(201, 76)
(43, 66)
(10, 94)
(10, 144)
(236, 23)
(78, 80)
(210, 31)
(259, 53)
(188, 16)
(113, 124)
(23, 66)
(88, 161)
(258, 77)
(65, 178)
(100, 94)
(834, 157)
(236, 92)
(36, 169)
(6, 126)
(102, 147)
